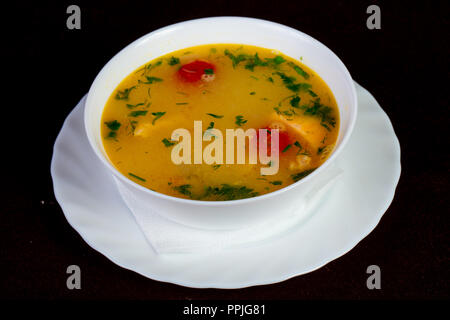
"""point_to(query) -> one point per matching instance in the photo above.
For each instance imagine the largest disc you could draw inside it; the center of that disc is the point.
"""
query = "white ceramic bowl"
(236, 213)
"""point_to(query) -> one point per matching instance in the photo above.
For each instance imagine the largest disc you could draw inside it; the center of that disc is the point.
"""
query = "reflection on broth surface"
(225, 86)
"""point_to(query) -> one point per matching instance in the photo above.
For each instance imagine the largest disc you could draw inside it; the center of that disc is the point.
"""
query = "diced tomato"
(193, 71)
(283, 140)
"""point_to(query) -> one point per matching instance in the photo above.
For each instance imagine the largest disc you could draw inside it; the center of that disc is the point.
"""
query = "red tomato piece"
(193, 71)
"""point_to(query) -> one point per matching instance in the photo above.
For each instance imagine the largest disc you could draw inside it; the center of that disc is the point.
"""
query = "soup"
(220, 86)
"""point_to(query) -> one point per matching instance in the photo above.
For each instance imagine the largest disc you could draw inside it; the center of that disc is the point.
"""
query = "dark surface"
(52, 68)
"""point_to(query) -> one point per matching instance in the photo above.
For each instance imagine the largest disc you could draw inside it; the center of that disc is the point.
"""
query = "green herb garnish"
(276, 183)
(184, 189)
(157, 115)
(240, 120)
(295, 101)
(136, 177)
(254, 61)
(173, 61)
(299, 70)
(181, 103)
(137, 113)
(214, 115)
(228, 192)
(211, 125)
(290, 84)
(216, 166)
(151, 80)
(132, 106)
(274, 62)
(287, 148)
(112, 135)
(323, 112)
(167, 143)
(123, 95)
(312, 93)
(301, 175)
(208, 71)
(252, 93)
(286, 79)
(113, 125)
(236, 59)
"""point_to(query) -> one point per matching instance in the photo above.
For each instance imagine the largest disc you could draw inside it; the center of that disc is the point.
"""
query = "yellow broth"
(263, 87)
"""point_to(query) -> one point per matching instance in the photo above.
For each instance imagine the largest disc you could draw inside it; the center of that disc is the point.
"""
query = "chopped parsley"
(137, 113)
(295, 101)
(136, 177)
(151, 80)
(229, 192)
(211, 125)
(112, 135)
(240, 120)
(173, 61)
(276, 183)
(113, 125)
(167, 143)
(274, 62)
(235, 59)
(132, 106)
(254, 61)
(323, 112)
(214, 115)
(312, 93)
(286, 79)
(208, 71)
(216, 166)
(301, 175)
(123, 95)
(157, 115)
(184, 189)
(287, 148)
(277, 110)
(290, 84)
(181, 103)
(252, 93)
(299, 70)
(157, 64)
(149, 67)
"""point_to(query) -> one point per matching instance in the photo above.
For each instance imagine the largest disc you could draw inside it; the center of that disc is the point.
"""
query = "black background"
(48, 68)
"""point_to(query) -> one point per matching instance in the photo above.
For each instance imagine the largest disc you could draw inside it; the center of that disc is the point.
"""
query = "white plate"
(355, 204)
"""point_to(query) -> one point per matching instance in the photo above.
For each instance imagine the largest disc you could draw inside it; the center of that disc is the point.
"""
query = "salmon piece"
(296, 130)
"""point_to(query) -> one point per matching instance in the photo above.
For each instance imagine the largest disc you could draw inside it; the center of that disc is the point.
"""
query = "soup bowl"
(235, 213)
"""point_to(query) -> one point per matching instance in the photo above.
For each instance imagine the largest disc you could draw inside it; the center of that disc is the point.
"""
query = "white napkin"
(166, 236)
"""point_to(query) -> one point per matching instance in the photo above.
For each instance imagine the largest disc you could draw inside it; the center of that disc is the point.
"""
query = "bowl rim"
(234, 19)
